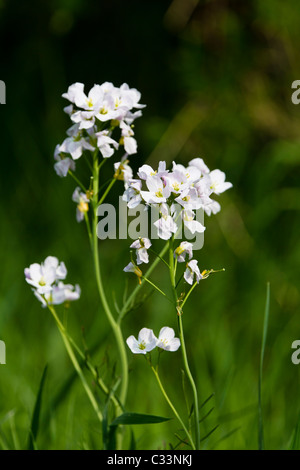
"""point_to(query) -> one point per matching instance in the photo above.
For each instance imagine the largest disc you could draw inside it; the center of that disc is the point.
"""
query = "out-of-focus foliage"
(216, 77)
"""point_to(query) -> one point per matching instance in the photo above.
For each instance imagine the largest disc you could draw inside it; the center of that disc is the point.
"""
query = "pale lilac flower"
(46, 279)
(199, 163)
(188, 217)
(63, 165)
(76, 143)
(132, 268)
(166, 339)
(192, 173)
(217, 182)
(73, 91)
(165, 225)
(189, 199)
(146, 342)
(127, 139)
(157, 192)
(146, 170)
(64, 293)
(191, 271)
(182, 250)
(42, 276)
(106, 144)
(82, 203)
(122, 170)
(141, 245)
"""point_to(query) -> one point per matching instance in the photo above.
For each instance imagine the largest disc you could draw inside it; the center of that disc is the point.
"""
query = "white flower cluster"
(94, 117)
(147, 341)
(177, 194)
(46, 279)
(187, 188)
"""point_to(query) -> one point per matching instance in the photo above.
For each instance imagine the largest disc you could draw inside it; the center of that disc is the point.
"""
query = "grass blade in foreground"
(34, 426)
(261, 444)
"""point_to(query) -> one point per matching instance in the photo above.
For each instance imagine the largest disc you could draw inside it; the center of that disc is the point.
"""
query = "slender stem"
(88, 226)
(107, 191)
(76, 364)
(183, 348)
(158, 256)
(91, 368)
(157, 288)
(188, 294)
(77, 180)
(192, 382)
(173, 408)
(134, 293)
(116, 327)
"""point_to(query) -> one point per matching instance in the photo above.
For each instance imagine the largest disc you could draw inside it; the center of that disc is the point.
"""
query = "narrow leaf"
(34, 427)
(136, 418)
(261, 444)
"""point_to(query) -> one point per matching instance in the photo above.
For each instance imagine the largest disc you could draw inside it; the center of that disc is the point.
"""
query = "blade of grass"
(295, 444)
(261, 443)
(34, 427)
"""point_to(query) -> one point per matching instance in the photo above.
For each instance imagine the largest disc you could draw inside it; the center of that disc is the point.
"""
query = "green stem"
(157, 288)
(188, 294)
(192, 382)
(106, 191)
(77, 181)
(88, 226)
(76, 364)
(183, 348)
(91, 368)
(134, 293)
(173, 408)
(116, 327)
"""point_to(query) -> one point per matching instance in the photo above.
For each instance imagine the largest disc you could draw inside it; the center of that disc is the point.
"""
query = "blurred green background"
(216, 77)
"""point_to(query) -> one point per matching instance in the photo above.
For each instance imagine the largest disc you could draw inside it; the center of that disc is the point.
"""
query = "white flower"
(189, 199)
(199, 163)
(166, 339)
(145, 343)
(132, 193)
(64, 292)
(192, 173)
(191, 271)
(165, 224)
(141, 245)
(158, 191)
(122, 170)
(46, 279)
(42, 276)
(189, 222)
(82, 204)
(132, 268)
(105, 144)
(76, 143)
(217, 182)
(146, 170)
(183, 249)
(73, 91)
(63, 165)
(127, 139)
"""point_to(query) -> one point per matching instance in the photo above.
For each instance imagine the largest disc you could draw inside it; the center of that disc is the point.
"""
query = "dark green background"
(216, 77)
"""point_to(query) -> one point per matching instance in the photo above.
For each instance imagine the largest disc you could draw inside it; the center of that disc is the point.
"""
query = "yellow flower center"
(83, 206)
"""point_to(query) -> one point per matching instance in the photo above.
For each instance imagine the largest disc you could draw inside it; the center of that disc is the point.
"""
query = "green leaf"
(34, 427)
(137, 418)
(261, 444)
(295, 444)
